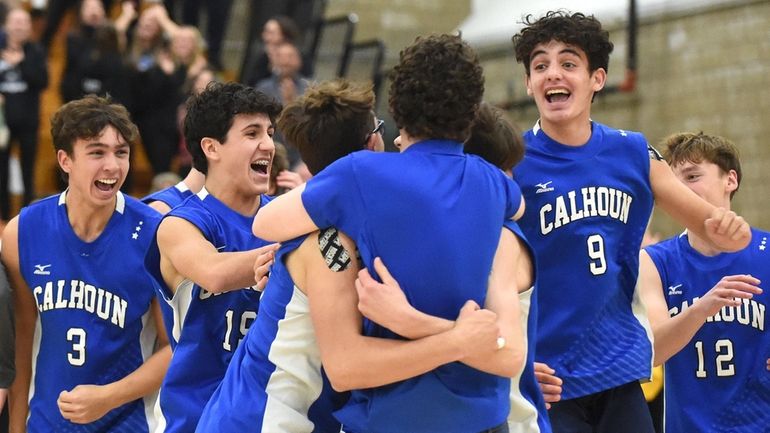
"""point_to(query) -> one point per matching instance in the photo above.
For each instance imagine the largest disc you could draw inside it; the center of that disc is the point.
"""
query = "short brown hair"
(86, 118)
(436, 88)
(329, 121)
(495, 139)
(698, 147)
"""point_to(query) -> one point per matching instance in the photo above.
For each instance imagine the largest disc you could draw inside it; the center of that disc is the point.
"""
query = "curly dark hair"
(495, 139)
(584, 32)
(86, 118)
(331, 120)
(436, 88)
(211, 113)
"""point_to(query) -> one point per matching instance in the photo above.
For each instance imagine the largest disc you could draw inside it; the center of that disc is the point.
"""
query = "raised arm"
(283, 218)
(87, 403)
(724, 229)
(353, 361)
(671, 334)
(25, 310)
(187, 254)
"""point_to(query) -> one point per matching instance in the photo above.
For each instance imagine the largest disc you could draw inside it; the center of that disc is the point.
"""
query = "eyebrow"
(258, 126)
(567, 50)
(100, 144)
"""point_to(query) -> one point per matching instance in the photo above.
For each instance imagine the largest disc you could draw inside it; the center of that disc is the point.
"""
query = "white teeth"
(557, 92)
(262, 162)
(108, 181)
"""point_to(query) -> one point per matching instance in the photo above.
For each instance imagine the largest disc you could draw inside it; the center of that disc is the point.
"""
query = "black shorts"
(622, 409)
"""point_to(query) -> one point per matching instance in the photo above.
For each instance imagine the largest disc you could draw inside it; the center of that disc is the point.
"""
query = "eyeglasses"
(380, 128)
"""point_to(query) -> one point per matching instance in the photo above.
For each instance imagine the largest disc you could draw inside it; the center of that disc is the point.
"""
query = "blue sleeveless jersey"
(528, 413)
(434, 215)
(587, 208)
(274, 382)
(173, 196)
(718, 382)
(93, 298)
(207, 327)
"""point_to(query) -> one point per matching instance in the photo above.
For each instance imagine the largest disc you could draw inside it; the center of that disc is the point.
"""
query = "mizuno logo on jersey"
(674, 290)
(587, 202)
(543, 187)
(42, 270)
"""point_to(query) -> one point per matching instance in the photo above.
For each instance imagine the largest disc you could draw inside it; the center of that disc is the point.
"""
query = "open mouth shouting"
(261, 166)
(557, 95)
(106, 185)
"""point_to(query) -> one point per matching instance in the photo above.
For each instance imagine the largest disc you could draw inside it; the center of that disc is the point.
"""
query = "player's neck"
(573, 133)
(232, 197)
(701, 245)
(87, 220)
(194, 180)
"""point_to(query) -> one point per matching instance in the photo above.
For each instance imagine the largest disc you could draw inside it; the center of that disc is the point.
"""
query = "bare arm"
(673, 333)
(283, 218)
(87, 403)
(186, 253)
(25, 310)
(386, 305)
(353, 361)
(161, 207)
(724, 229)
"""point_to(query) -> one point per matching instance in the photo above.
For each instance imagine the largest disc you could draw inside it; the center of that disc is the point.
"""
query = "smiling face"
(561, 84)
(708, 181)
(246, 154)
(97, 166)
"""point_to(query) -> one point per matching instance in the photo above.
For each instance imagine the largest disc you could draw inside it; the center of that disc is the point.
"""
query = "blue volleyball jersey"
(434, 215)
(94, 321)
(173, 196)
(274, 382)
(207, 327)
(587, 208)
(528, 413)
(718, 382)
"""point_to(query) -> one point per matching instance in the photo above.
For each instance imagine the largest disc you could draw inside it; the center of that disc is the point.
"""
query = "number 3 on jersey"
(246, 318)
(598, 264)
(77, 336)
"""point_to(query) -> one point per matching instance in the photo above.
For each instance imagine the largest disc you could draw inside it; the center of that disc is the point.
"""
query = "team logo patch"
(544, 187)
(674, 290)
(42, 270)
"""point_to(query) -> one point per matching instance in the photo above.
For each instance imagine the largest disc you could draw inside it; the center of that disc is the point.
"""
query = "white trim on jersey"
(182, 187)
(523, 415)
(120, 201)
(180, 303)
(203, 193)
(296, 382)
(147, 338)
(36, 337)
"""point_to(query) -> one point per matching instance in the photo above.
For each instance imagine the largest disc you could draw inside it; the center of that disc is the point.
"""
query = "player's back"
(587, 208)
(207, 327)
(718, 382)
(93, 302)
(434, 215)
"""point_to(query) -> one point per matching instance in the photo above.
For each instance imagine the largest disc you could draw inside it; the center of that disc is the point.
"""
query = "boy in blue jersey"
(75, 262)
(168, 198)
(427, 211)
(706, 311)
(589, 190)
(308, 312)
(203, 263)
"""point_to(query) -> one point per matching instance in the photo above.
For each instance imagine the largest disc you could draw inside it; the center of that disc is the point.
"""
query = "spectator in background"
(281, 178)
(217, 14)
(56, 10)
(94, 63)
(277, 30)
(156, 84)
(194, 85)
(23, 75)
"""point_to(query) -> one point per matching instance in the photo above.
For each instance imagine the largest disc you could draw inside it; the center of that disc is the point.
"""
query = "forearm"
(227, 271)
(415, 324)
(672, 335)
(373, 362)
(143, 381)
